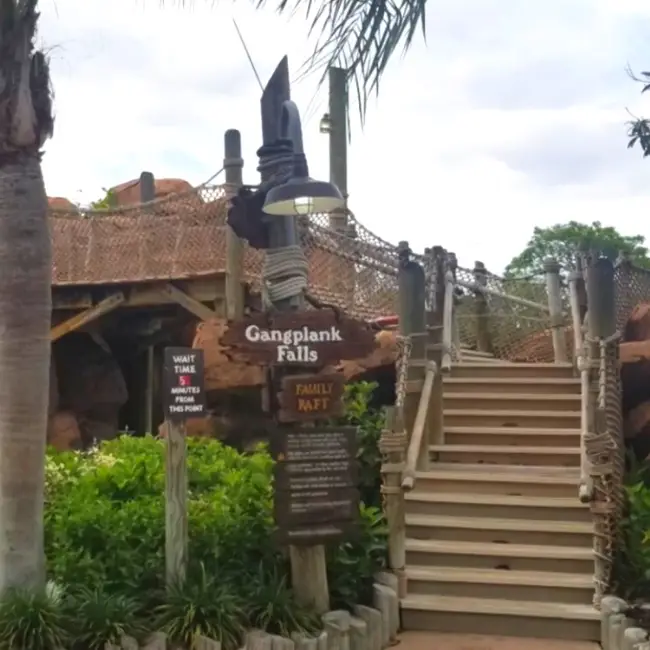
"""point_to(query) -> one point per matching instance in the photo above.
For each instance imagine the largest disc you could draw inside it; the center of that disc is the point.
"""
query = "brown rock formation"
(129, 193)
(384, 355)
(91, 385)
(220, 372)
(63, 431)
(60, 203)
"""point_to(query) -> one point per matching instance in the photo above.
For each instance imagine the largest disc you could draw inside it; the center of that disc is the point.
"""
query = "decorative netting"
(184, 235)
(632, 289)
(505, 316)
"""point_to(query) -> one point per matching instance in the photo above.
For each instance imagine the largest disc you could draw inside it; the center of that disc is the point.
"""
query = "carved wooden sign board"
(316, 474)
(311, 397)
(184, 391)
(314, 337)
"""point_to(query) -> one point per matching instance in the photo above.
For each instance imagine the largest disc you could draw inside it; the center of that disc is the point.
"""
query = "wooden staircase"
(497, 541)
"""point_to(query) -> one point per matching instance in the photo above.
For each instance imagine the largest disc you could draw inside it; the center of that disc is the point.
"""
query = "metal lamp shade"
(300, 196)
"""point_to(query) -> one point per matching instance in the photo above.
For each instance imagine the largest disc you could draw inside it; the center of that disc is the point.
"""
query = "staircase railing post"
(554, 291)
(412, 323)
(483, 339)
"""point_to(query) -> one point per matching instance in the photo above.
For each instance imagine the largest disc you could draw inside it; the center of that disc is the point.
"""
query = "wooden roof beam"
(87, 316)
(191, 304)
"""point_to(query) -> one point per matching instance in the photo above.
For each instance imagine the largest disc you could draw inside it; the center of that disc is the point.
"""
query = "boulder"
(60, 203)
(384, 355)
(63, 431)
(91, 385)
(129, 193)
(220, 372)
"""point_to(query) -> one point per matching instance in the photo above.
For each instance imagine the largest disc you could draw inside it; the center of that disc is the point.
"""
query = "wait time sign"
(183, 382)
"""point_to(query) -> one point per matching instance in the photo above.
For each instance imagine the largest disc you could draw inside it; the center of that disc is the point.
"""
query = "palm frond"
(360, 36)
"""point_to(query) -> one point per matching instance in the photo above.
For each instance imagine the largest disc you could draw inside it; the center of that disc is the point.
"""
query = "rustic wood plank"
(87, 316)
(191, 304)
(175, 504)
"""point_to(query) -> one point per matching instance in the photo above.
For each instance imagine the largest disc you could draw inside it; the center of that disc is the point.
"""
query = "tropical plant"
(25, 297)
(34, 619)
(105, 530)
(98, 618)
(369, 420)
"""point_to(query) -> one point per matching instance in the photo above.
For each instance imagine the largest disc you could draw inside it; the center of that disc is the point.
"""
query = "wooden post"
(394, 508)
(308, 563)
(233, 164)
(184, 397)
(435, 323)
(147, 194)
(483, 338)
(600, 292)
(338, 136)
(175, 504)
(412, 322)
(554, 291)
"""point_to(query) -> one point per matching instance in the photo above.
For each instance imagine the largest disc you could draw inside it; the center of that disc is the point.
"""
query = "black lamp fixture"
(301, 194)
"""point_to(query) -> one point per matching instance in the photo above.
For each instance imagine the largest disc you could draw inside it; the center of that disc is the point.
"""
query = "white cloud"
(464, 147)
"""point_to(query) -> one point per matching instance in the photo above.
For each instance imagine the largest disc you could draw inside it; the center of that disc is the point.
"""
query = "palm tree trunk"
(25, 313)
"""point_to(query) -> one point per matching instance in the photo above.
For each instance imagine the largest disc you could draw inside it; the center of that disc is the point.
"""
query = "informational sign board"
(184, 391)
(317, 337)
(316, 474)
(311, 397)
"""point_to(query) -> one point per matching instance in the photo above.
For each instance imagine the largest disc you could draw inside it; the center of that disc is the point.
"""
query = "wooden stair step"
(497, 606)
(514, 397)
(498, 577)
(535, 551)
(526, 366)
(519, 381)
(500, 523)
(514, 473)
(510, 413)
(497, 500)
(523, 431)
(506, 449)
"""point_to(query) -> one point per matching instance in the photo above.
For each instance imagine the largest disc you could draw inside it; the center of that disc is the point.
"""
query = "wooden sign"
(316, 474)
(311, 397)
(314, 337)
(184, 392)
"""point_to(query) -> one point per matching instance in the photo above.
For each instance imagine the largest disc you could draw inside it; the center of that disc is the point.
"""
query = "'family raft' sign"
(311, 397)
(184, 389)
(319, 337)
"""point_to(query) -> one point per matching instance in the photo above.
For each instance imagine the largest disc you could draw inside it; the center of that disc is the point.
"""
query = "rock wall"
(87, 391)
(635, 379)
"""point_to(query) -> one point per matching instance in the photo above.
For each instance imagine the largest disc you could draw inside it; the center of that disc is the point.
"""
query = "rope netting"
(505, 316)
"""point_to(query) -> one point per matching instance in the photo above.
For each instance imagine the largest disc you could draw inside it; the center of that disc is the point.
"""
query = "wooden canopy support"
(191, 304)
(87, 316)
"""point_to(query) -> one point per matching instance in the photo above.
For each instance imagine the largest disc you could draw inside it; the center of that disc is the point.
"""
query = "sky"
(511, 115)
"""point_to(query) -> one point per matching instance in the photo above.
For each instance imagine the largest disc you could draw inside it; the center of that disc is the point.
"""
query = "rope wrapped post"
(233, 165)
(554, 292)
(483, 339)
(604, 446)
(435, 347)
(583, 364)
(448, 317)
(392, 445)
(284, 280)
(412, 293)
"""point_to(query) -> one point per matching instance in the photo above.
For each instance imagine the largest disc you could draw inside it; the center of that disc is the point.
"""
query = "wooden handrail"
(447, 323)
(473, 286)
(413, 453)
(586, 485)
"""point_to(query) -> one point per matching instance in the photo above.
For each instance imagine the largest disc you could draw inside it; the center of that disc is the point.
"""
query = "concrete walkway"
(433, 641)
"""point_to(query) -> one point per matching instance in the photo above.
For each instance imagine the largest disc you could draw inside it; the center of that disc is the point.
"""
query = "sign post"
(316, 497)
(184, 397)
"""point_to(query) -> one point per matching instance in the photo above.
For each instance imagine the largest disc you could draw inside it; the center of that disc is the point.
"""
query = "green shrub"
(34, 620)
(208, 605)
(104, 525)
(632, 567)
(97, 618)
(369, 422)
